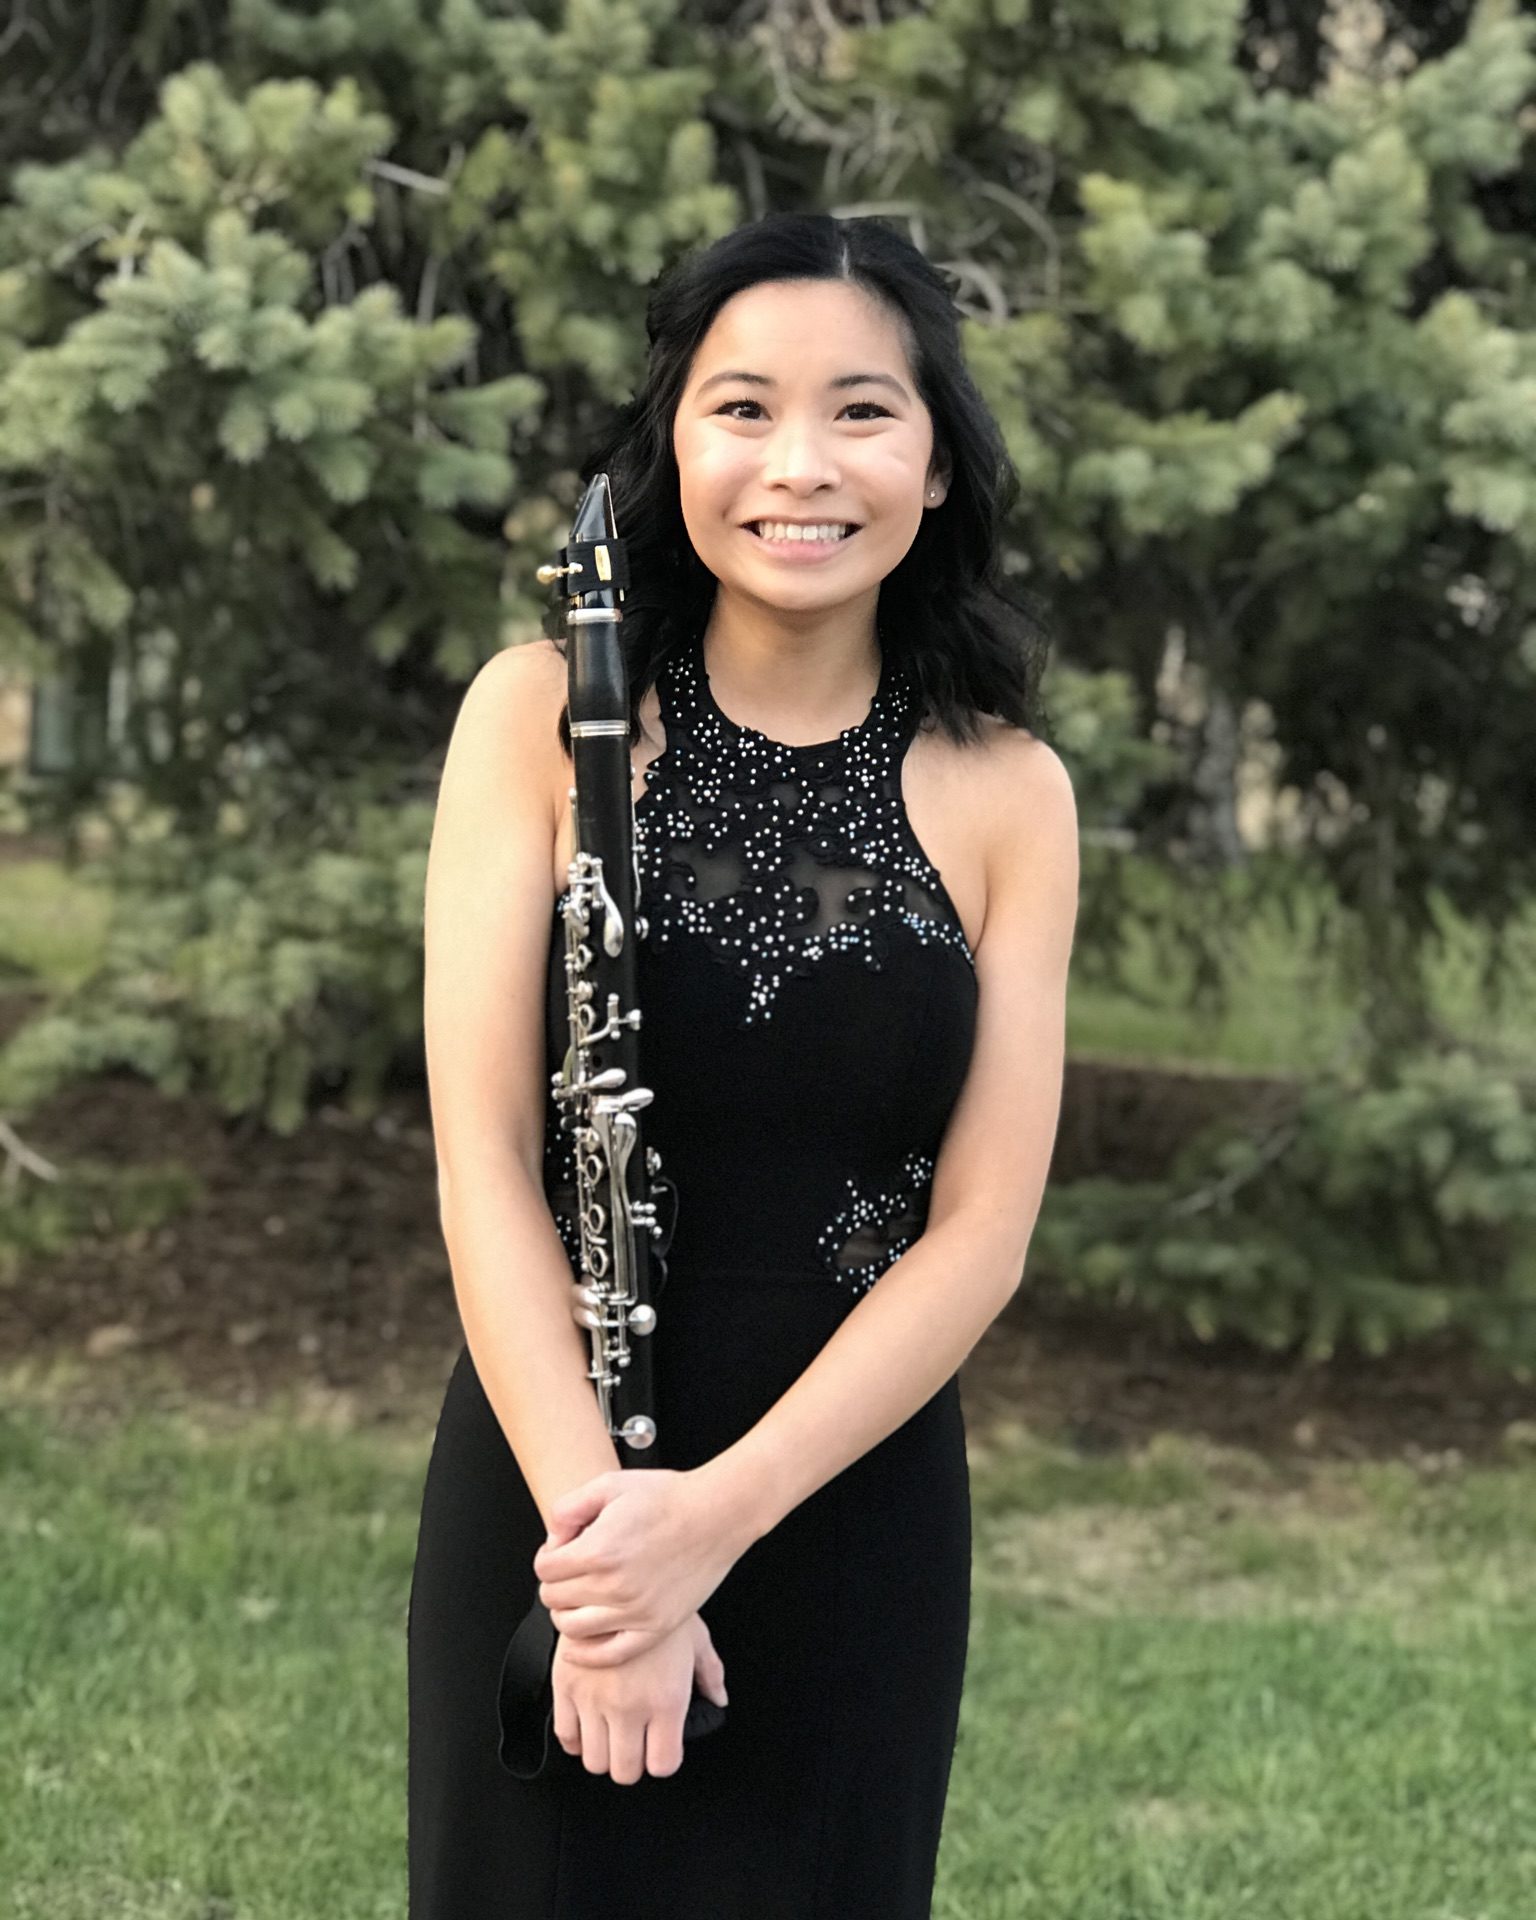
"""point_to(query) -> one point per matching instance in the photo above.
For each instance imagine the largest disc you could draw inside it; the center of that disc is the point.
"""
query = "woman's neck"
(801, 683)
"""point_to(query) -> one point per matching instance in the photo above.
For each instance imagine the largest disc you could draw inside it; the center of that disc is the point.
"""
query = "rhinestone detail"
(872, 1213)
(744, 843)
(778, 856)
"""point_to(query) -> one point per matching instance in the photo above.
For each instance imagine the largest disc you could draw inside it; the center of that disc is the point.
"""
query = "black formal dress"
(809, 1005)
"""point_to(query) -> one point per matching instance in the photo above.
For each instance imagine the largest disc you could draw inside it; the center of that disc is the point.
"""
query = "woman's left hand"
(630, 1555)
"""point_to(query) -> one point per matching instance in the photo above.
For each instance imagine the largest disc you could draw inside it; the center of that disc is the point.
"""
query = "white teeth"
(782, 530)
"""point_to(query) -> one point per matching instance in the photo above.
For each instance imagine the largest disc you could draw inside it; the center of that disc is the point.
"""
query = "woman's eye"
(873, 405)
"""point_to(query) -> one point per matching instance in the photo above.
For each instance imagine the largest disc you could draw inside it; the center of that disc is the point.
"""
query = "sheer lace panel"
(878, 1224)
(778, 856)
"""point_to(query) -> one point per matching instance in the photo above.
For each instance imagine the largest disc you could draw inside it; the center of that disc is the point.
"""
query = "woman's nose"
(799, 460)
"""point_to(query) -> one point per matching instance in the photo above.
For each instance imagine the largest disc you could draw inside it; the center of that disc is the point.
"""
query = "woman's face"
(773, 427)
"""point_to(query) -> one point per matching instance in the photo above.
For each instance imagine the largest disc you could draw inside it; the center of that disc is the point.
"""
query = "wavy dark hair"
(967, 646)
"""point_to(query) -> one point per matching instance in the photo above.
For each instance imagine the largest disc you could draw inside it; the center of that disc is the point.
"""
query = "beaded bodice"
(807, 990)
(776, 857)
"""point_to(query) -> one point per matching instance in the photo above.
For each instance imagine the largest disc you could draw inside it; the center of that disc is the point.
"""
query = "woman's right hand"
(628, 1720)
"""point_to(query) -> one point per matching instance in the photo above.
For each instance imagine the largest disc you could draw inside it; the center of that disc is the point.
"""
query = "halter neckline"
(736, 730)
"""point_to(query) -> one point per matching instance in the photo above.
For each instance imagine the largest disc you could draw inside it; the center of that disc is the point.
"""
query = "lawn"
(1199, 1686)
(1203, 1685)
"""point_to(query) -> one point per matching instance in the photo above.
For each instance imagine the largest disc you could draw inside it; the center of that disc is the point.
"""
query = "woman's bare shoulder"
(1001, 752)
(513, 705)
(529, 669)
(1028, 795)
(1017, 790)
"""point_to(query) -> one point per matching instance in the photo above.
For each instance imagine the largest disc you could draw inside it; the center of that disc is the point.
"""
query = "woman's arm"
(657, 1544)
(912, 1330)
(488, 923)
(512, 1281)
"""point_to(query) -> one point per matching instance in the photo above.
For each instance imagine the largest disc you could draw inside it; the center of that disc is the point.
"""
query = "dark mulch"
(315, 1265)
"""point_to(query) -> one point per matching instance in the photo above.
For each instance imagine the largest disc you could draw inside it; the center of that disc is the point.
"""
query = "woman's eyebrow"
(841, 380)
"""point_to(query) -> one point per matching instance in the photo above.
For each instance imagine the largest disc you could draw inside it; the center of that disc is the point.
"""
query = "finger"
(584, 1573)
(710, 1676)
(561, 1530)
(626, 1750)
(612, 1645)
(664, 1745)
(594, 1742)
(585, 1623)
(573, 1510)
(574, 1559)
(611, 1650)
(567, 1722)
(563, 1562)
(584, 1598)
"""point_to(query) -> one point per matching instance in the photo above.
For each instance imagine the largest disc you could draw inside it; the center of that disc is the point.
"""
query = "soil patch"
(315, 1266)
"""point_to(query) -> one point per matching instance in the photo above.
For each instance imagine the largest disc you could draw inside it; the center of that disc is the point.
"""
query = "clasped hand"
(629, 1557)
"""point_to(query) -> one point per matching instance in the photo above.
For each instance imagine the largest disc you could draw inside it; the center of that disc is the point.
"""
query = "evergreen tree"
(294, 379)
(1266, 366)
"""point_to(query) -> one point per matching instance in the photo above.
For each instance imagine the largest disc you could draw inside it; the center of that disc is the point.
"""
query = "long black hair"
(967, 647)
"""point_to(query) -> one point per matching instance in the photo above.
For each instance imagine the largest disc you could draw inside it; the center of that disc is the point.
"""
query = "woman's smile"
(806, 547)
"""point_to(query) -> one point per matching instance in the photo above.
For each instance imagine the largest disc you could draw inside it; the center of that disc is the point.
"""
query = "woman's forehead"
(804, 327)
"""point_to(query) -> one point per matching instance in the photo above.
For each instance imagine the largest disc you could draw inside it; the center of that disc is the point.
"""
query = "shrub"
(1372, 1215)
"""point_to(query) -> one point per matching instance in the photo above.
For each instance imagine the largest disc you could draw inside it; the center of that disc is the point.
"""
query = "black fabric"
(525, 1696)
(802, 1082)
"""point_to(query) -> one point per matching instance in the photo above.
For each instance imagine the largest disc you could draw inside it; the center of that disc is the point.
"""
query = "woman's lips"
(800, 552)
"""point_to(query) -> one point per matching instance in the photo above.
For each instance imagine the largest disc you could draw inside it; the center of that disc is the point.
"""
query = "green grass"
(1198, 1691)
(1199, 1688)
(200, 1697)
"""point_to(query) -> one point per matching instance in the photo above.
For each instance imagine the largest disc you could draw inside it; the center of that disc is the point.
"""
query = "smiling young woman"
(858, 867)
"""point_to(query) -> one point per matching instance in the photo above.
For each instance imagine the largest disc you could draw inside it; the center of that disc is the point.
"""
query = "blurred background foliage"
(308, 315)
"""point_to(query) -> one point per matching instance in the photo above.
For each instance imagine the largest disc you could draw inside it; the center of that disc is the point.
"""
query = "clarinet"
(598, 1089)
(621, 1192)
